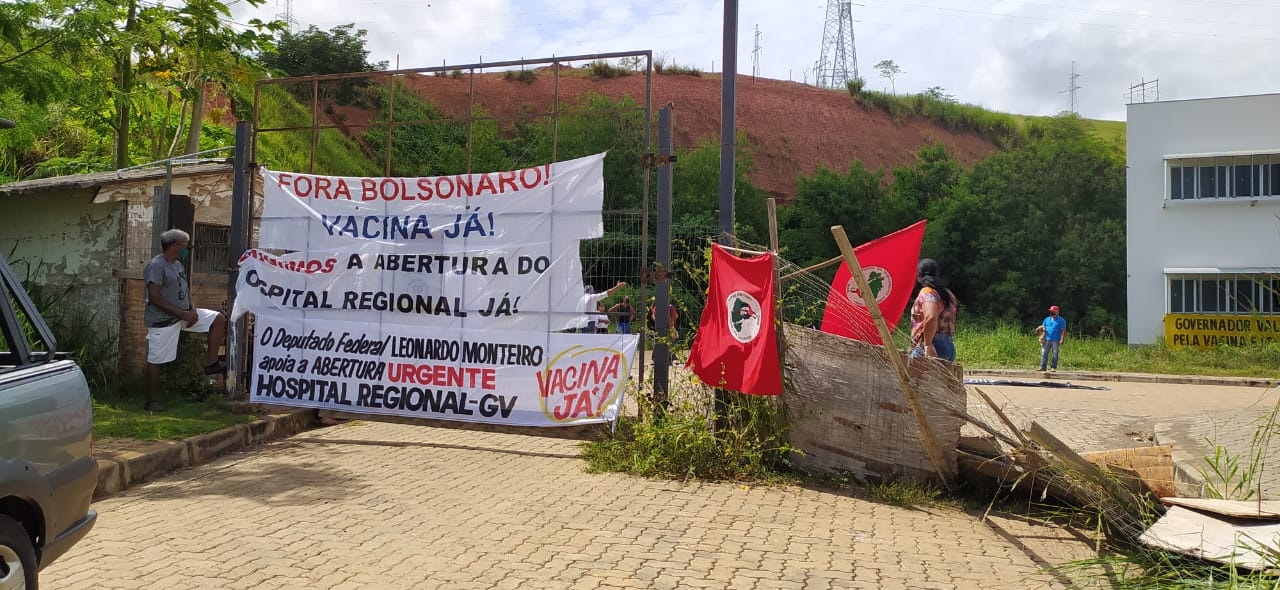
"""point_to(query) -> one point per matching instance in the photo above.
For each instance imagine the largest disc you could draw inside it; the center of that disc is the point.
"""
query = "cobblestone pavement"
(373, 505)
(1139, 414)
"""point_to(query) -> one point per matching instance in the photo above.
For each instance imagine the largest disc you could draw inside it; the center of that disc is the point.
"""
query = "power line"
(1072, 87)
(755, 55)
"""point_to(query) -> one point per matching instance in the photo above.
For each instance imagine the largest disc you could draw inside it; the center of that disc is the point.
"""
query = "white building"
(1203, 232)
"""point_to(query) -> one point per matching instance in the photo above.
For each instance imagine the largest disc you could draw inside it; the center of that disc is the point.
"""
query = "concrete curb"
(119, 470)
(1126, 377)
(1186, 477)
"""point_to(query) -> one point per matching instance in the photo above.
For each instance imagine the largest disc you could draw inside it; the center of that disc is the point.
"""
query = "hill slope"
(794, 128)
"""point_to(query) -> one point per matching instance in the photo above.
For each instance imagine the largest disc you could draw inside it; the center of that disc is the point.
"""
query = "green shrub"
(603, 70)
(675, 69)
(750, 445)
(526, 76)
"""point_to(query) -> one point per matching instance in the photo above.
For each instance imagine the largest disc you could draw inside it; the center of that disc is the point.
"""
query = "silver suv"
(47, 473)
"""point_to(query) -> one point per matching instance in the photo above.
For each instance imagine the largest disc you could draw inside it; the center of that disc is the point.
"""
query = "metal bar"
(471, 109)
(479, 65)
(253, 156)
(811, 268)
(927, 438)
(728, 110)
(662, 297)
(241, 206)
(315, 117)
(391, 111)
(524, 117)
(644, 201)
(555, 111)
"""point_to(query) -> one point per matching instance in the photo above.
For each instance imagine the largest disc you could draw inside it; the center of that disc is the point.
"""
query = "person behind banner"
(624, 314)
(168, 312)
(602, 319)
(587, 323)
(672, 316)
(933, 316)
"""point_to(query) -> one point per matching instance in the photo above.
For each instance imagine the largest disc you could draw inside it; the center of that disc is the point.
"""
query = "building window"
(1241, 294)
(209, 247)
(1251, 176)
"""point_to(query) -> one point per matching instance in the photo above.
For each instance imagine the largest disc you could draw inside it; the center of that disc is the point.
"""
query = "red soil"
(794, 127)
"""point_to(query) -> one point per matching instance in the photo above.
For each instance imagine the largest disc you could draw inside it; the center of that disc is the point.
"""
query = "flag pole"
(927, 438)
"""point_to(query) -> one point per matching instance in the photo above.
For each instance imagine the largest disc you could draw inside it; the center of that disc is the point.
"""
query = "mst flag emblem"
(736, 346)
(744, 316)
(880, 281)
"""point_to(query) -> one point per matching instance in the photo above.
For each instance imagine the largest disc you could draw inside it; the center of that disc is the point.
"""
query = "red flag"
(736, 346)
(889, 263)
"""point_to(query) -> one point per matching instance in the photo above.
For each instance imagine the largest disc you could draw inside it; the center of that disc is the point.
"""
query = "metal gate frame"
(391, 76)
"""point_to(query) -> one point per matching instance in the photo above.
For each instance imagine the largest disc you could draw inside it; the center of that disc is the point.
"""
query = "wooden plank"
(1073, 460)
(1003, 418)
(811, 268)
(1206, 536)
(930, 442)
(1264, 510)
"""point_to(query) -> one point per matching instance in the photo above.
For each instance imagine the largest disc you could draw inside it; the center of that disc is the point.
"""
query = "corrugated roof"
(94, 180)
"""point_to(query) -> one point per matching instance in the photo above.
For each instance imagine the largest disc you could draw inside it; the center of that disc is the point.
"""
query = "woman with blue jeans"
(933, 316)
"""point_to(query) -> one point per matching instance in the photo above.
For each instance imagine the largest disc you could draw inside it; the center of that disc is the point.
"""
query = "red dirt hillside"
(794, 127)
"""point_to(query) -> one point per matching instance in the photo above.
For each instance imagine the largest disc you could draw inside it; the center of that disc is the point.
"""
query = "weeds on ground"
(684, 443)
(1226, 477)
(905, 493)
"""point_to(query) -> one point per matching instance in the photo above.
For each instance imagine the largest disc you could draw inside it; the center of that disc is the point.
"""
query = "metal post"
(241, 205)
(662, 283)
(728, 109)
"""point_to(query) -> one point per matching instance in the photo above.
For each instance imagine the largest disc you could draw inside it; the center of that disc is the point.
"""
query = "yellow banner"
(1210, 331)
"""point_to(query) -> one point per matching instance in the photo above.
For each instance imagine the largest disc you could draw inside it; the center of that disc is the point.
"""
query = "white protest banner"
(499, 377)
(561, 201)
(532, 287)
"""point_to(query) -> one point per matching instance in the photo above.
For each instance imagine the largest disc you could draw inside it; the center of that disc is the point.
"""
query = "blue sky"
(1010, 55)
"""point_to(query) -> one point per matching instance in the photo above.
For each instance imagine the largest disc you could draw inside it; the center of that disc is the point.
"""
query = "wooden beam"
(818, 266)
(742, 250)
(1003, 418)
(927, 438)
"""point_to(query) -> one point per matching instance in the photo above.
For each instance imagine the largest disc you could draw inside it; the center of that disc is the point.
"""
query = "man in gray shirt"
(169, 312)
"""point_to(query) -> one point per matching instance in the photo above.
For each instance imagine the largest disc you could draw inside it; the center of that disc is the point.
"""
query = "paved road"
(371, 505)
(1138, 414)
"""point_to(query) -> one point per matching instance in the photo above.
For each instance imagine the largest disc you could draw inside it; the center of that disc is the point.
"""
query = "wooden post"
(777, 286)
(927, 438)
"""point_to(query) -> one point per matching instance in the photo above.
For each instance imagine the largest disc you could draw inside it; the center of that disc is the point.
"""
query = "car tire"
(18, 568)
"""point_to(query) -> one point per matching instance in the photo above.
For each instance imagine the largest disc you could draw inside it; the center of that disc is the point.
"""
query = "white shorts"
(162, 343)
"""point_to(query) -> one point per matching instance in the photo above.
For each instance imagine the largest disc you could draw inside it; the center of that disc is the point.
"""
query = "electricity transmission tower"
(1072, 88)
(287, 15)
(755, 55)
(838, 61)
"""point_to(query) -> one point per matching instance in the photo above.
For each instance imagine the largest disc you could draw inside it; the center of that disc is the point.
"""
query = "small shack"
(85, 238)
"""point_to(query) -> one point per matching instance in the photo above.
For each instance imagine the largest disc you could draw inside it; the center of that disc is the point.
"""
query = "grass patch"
(674, 69)
(1010, 347)
(905, 493)
(603, 70)
(125, 418)
(1001, 128)
(751, 446)
(525, 76)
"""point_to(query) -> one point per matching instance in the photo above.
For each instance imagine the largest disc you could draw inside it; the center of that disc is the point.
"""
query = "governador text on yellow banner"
(1210, 331)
